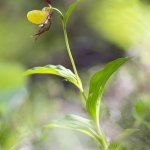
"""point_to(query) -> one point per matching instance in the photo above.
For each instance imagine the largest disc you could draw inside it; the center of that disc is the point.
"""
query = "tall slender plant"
(97, 83)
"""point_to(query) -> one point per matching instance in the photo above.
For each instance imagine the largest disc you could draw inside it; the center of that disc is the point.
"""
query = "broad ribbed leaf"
(71, 8)
(118, 141)
(76, 123)
(97, 84)
(56, 70)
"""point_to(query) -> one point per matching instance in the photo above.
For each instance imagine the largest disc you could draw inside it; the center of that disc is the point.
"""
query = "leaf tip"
(130, 57)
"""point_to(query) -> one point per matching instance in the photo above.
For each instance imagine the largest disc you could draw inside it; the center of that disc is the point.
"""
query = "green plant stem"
(72, 62)
(59, 12)
(84, 96)
(70, 56)
(103, 138)
(69, 52)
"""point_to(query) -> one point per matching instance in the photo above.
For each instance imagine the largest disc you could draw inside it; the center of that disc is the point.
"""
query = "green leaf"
(97, 84)
(120, 138)
(76, 123)
(56, 70)
(71, 8)
(141, 107)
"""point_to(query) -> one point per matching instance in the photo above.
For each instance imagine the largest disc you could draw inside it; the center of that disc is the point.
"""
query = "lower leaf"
(115, 145)
(75, 123)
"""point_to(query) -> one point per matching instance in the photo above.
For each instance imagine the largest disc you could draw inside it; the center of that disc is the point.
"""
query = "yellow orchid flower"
(38, 16)
(41, 17)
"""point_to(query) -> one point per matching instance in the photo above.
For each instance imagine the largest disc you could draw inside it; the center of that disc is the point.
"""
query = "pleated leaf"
(97, 84)
(71, 8)
(75, 123)
(118, 141)
(56, 70)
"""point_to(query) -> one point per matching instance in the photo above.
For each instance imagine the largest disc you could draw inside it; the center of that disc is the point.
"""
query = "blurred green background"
(99, 31)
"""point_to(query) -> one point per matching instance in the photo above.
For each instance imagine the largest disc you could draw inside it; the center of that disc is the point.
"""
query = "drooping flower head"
(41, 17)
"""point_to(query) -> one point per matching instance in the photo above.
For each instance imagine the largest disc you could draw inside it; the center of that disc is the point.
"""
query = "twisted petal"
(37, 16)
(48, 2)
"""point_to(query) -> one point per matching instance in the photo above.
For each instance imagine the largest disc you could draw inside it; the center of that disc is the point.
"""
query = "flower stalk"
(102, 136)
(69, 53)
(72, 62)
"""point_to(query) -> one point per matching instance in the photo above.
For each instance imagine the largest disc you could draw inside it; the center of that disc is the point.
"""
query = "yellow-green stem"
(84, 96)
(72, 62)
(102, 136)
(69, 52)
(59, 12)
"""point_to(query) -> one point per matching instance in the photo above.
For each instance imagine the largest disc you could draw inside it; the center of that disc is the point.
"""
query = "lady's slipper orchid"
(41, 17)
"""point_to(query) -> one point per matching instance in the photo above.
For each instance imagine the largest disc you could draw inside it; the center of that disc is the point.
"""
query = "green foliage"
(56, 70)
(71, 8)
(121, 19)
(115, 145)
(97, 84)
(11, 88)
(23, 111)
(15, 69)
(76, 123)
(141, 107)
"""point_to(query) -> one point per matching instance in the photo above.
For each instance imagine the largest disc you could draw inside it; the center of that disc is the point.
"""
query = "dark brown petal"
(48, 2)
(42, 26)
